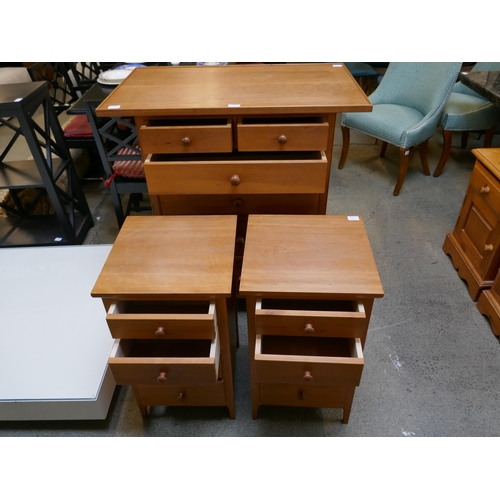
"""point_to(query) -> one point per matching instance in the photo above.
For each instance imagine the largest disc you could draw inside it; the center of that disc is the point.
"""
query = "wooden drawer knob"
(162, 377)
(160, 332)
(488, 248)
(240, 241)
(182, 396)
(238, 202)
(235, 180)
(307, 376)
(309, 328)
(485, 190)
(282, 139)
(186, 141)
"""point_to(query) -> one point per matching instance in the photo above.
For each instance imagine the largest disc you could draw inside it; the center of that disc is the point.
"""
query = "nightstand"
(167, 290)
(309, 282)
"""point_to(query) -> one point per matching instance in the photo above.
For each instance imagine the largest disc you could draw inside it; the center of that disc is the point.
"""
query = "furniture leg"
(404, 160)
(349, 396)
(488, 137)
(251, 348)
(345, 146)
(383, 149)
(465, 138)
(447, 138)
(142, 407)
(423, 157)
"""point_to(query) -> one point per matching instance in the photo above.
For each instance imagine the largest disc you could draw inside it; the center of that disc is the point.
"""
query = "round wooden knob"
(162, 377)
(309, 328)
(238, 202)
(235, 180)
(182, 396)
(240, 241)
(485, 190)
(186, 141)
(488, 248)
(160, 332)
(282, 139)
(307, 376)
(302, 395)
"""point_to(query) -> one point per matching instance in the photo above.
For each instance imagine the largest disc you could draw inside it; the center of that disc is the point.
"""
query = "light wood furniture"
(166, 287)
(489, 305)
(474, 244)
(54, 339)
(237, 139)
(309, 282)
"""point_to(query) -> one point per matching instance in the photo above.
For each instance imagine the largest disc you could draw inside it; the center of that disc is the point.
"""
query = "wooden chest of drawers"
(309, 301)
(474, 244)
(166, 287)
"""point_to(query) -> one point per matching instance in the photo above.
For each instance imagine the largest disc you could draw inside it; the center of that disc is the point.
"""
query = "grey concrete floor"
(432, 363)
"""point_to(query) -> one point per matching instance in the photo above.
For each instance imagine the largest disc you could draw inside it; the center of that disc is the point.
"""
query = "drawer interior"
(281, 156)
(310, 305)
(276, 120)
(163, 307)
(168, 348)
(307, 346)
(186, 122)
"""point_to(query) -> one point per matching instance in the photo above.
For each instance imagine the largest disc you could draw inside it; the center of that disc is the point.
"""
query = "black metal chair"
(117, 143)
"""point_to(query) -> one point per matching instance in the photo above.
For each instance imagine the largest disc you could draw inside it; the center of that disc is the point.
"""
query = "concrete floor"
(432, 364)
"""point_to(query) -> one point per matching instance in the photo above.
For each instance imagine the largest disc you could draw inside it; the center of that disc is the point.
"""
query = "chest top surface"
(308, 255)
(170, 256)
(236, 89)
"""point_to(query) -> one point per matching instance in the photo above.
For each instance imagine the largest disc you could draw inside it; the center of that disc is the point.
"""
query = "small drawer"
(283, 134)
(162, 320)
(310, 318)
(186, 136)
(302, 395)
(250, 173)
(165, 362)
(314, 361)
(485, 184)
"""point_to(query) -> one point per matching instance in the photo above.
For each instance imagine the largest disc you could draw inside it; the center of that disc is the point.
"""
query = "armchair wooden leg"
(345, 146)
(447, 137)
(383, 149)
(488, 137)
(423, 157)
(404, 160)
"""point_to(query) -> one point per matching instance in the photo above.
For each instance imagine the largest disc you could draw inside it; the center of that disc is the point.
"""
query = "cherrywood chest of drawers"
(474, 244)
(309, 282)
(166, 287)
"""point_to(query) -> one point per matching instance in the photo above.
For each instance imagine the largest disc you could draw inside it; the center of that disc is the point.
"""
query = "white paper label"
(337, 65)
(57, 239)
(114, 106)
(19, 99)
(233, 105)
(352, 217)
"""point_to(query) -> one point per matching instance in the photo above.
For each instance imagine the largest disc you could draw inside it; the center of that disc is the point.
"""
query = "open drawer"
(314, 361)
(162, 320)
(312, 318)
(165, 362)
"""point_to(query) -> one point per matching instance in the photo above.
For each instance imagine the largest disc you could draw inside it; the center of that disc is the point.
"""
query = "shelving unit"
(50, 169)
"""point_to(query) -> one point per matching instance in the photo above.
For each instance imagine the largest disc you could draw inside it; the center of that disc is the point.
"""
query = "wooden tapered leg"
(488, 137)
(465, 138)
(423, 157)
(142, 407)
(349, 396)
(404, 160)
(345, 146)
(383, 149)
(447, 137)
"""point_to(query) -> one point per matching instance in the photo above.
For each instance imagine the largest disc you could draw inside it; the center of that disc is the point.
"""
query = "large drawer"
(162, 320)
(310, 318)
(238, 204)
(165, 362)
(250, 173)
(282, 134)
(486, 186)
(314, 361)
(186, 136)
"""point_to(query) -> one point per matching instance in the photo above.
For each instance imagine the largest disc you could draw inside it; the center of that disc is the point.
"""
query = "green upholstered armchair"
(467, 111)
(406, 109)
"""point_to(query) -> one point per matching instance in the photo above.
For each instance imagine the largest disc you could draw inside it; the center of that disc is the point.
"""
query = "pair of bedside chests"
(171, 285)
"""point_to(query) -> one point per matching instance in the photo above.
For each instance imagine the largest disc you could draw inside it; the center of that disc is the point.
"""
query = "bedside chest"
(167, 290)
(474, 244)
(309, 282)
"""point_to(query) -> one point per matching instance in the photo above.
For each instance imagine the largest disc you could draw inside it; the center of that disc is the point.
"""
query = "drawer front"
(312, 136)
(182, 395)
(155, 365)
(302, 395)
(282, 360)
(340, 321)
(238, 204)
(162, 136)
(486, 185)
(146, 325)
(281, 176)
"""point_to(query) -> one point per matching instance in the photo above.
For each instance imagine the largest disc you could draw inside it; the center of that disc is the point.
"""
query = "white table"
(54, 340)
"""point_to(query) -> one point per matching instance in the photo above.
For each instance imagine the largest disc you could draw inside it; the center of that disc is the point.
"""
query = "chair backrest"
(424, 86)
